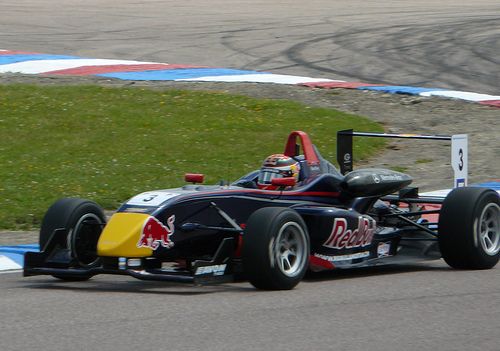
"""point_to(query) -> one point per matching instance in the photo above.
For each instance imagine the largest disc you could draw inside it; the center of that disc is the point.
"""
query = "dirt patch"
(427, 162)
(18, 238)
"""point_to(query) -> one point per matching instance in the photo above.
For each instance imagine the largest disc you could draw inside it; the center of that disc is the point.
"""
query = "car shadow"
(124, 285)
(103, 284)
(363, 272)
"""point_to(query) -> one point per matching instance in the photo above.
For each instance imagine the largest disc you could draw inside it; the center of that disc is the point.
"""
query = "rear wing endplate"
(459, 152)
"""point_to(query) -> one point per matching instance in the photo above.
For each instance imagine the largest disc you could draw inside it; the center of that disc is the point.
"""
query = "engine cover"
(374, 182)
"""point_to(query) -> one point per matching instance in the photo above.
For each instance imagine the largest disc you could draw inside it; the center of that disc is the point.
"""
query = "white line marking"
(43, 66)
(260, 78)
(7, 263)
(463, 95)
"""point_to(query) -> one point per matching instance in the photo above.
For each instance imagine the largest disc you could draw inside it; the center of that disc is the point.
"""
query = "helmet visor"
(266, 175)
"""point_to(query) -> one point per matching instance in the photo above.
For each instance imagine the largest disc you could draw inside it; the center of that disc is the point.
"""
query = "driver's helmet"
(277, 166)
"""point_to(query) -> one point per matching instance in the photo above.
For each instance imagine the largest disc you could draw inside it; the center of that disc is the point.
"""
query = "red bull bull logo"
(154, 233)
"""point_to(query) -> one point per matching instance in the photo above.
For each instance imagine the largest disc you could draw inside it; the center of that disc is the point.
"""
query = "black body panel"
(375, 182)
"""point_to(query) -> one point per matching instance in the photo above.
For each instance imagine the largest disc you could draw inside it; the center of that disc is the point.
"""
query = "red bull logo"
(154, 233)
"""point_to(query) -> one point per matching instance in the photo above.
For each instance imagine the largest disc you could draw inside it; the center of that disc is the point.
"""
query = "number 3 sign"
(459, 159)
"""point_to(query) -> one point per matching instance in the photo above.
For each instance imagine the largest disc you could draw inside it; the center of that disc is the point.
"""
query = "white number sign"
(459, 159)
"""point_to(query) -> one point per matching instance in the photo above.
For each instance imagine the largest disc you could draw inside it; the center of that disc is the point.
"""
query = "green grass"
(108, 144)
(423, 160)
(399, 169)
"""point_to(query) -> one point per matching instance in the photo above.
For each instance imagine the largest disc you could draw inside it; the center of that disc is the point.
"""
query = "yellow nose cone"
(121, 235)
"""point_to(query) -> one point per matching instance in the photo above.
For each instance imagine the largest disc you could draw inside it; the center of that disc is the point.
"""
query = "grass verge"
(108, 144)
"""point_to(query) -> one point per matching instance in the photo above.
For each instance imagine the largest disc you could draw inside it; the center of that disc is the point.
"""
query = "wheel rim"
(289, 249)
(83, 239)
(489, 229)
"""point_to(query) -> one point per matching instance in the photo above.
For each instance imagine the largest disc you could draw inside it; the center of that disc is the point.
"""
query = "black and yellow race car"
(317, 219)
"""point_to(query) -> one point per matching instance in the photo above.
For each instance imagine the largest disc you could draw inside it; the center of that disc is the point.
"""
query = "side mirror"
(194, 178)
(283, 182)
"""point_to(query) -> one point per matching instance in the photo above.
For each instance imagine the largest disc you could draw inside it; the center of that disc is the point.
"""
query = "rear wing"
(459, 153)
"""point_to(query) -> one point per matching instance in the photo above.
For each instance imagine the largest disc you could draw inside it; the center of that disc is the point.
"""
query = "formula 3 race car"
(323, 220)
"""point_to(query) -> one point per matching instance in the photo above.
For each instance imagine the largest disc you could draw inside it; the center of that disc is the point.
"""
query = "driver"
(277, 166)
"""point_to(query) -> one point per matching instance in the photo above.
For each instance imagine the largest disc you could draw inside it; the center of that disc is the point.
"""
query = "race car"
(297, 213)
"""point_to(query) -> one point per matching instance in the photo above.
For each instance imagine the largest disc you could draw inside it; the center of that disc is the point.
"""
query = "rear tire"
(276, 249)
(469, 228)
(83, 220)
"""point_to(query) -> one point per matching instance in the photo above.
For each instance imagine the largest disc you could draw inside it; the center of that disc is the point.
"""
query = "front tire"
(276, 249)
(469, 228)
(83, 221)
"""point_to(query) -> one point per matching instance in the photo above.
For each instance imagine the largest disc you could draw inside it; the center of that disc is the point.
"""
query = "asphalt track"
(448, 44)
(425, 307)
(428, 307)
